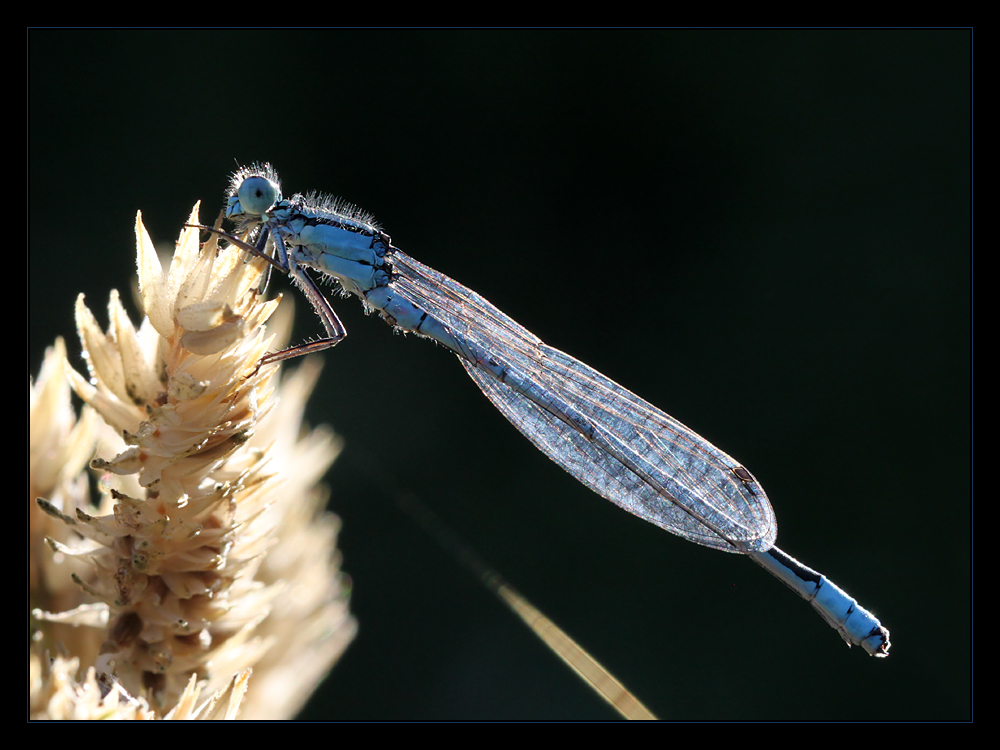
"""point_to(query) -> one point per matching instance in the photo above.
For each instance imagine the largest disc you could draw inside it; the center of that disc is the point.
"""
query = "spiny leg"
(335, 330)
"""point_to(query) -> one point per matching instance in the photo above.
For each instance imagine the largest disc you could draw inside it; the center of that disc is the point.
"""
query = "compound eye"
(257, 195)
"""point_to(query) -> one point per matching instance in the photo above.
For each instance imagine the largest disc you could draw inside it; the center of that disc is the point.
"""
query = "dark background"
(767, 234)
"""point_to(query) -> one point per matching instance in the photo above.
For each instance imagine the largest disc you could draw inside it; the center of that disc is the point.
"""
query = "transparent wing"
(658, 470)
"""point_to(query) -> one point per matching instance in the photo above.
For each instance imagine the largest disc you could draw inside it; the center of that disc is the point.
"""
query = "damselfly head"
(252, 192)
